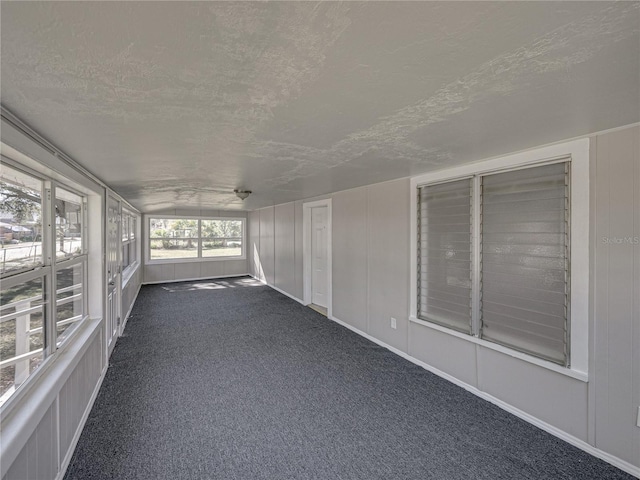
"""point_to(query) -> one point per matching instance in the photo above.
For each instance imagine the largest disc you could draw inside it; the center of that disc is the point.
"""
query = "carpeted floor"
(230, 379)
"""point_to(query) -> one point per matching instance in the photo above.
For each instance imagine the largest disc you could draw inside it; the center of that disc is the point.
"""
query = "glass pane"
(221, 238)
(132, 252)
(21, 334)
(68, 208)
(20, 220)
(444, 263)
(174, 248)
(126, 219)
(525, 260)
(173, 238)
(69, 301)
(125, 256)
(134, 226)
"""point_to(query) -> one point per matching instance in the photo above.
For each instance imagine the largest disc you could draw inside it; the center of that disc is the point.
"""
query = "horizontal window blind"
(444, 263)
(525, 260)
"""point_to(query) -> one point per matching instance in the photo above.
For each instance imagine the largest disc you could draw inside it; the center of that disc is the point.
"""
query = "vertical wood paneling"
(298, 273)
(284, 234)
(37, 461)
(267, 244)
(212, 269)
(76, 393)
(388, 252)
(235, 267)
(616, 286)
(349, 240)
(447, 353)
(18, 469)
(186, 270)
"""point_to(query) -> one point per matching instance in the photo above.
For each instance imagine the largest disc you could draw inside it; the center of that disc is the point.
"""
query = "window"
(221, 238)
(444, 278)
(69, 220)
(20, 220)
(502, 255)
(129, 241)
(195, 238)
(43, 271)
(522, 268)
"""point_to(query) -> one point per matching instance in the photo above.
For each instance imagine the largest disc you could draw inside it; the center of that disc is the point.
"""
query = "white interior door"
(113, 271)
(319, 257)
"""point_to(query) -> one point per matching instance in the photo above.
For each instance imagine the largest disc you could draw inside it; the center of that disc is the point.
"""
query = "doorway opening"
(317, 255)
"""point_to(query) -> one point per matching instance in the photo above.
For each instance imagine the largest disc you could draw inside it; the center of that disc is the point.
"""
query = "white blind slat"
(444, 261)
(525, 260)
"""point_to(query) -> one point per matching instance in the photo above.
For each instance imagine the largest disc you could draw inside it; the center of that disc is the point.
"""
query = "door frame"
(111, 336)
(306, 252)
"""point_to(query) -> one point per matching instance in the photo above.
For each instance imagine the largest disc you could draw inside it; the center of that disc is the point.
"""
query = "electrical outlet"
(393, 323)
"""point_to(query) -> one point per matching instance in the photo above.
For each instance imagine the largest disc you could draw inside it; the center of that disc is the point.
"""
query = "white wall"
(176, 271)
(615, 204)
(371, 262)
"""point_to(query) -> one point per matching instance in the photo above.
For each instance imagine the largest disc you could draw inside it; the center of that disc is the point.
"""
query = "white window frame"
(50, 267)
(199, 258)
(577, 152)
(127, 272)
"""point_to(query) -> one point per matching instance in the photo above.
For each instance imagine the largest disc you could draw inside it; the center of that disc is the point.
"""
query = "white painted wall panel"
(552, 397)
(388, 251)
(168, 272)
(212, 269)
(298, 288)
(349, 247)
(75, 394)
(186, 270)
(18, 469)
(267, 243)
(284, 247)
(235, 267)
(253, 248)
(616, 276)
(37, 460)
(449, 354)
(152, 273)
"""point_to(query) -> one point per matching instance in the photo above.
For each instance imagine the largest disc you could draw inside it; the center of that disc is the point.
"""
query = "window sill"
(129, 272)
(578, 375)
(193, 260)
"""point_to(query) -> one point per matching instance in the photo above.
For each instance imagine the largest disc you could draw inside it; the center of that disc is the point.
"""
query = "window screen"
(444, 263)
(525, 260)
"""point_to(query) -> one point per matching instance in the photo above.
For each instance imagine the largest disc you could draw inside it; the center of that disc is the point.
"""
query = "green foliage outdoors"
(169, 234)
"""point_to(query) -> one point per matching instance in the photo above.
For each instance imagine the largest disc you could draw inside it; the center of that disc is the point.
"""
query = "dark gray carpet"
(232, 380)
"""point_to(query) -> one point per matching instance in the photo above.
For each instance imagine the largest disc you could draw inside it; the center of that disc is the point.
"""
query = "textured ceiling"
(176, 104)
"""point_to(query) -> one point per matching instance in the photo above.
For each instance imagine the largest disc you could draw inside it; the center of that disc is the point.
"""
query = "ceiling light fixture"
(242, 194)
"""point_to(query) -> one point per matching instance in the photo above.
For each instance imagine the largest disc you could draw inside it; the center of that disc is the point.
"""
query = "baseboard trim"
(279, 290)
(198, 278)
(76, 437)
(556, 432)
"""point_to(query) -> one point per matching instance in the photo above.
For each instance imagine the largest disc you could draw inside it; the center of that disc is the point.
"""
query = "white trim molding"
(195, 279)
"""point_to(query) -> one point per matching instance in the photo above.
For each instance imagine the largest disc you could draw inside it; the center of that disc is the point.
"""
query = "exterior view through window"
(43, 269)
(184, 238)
